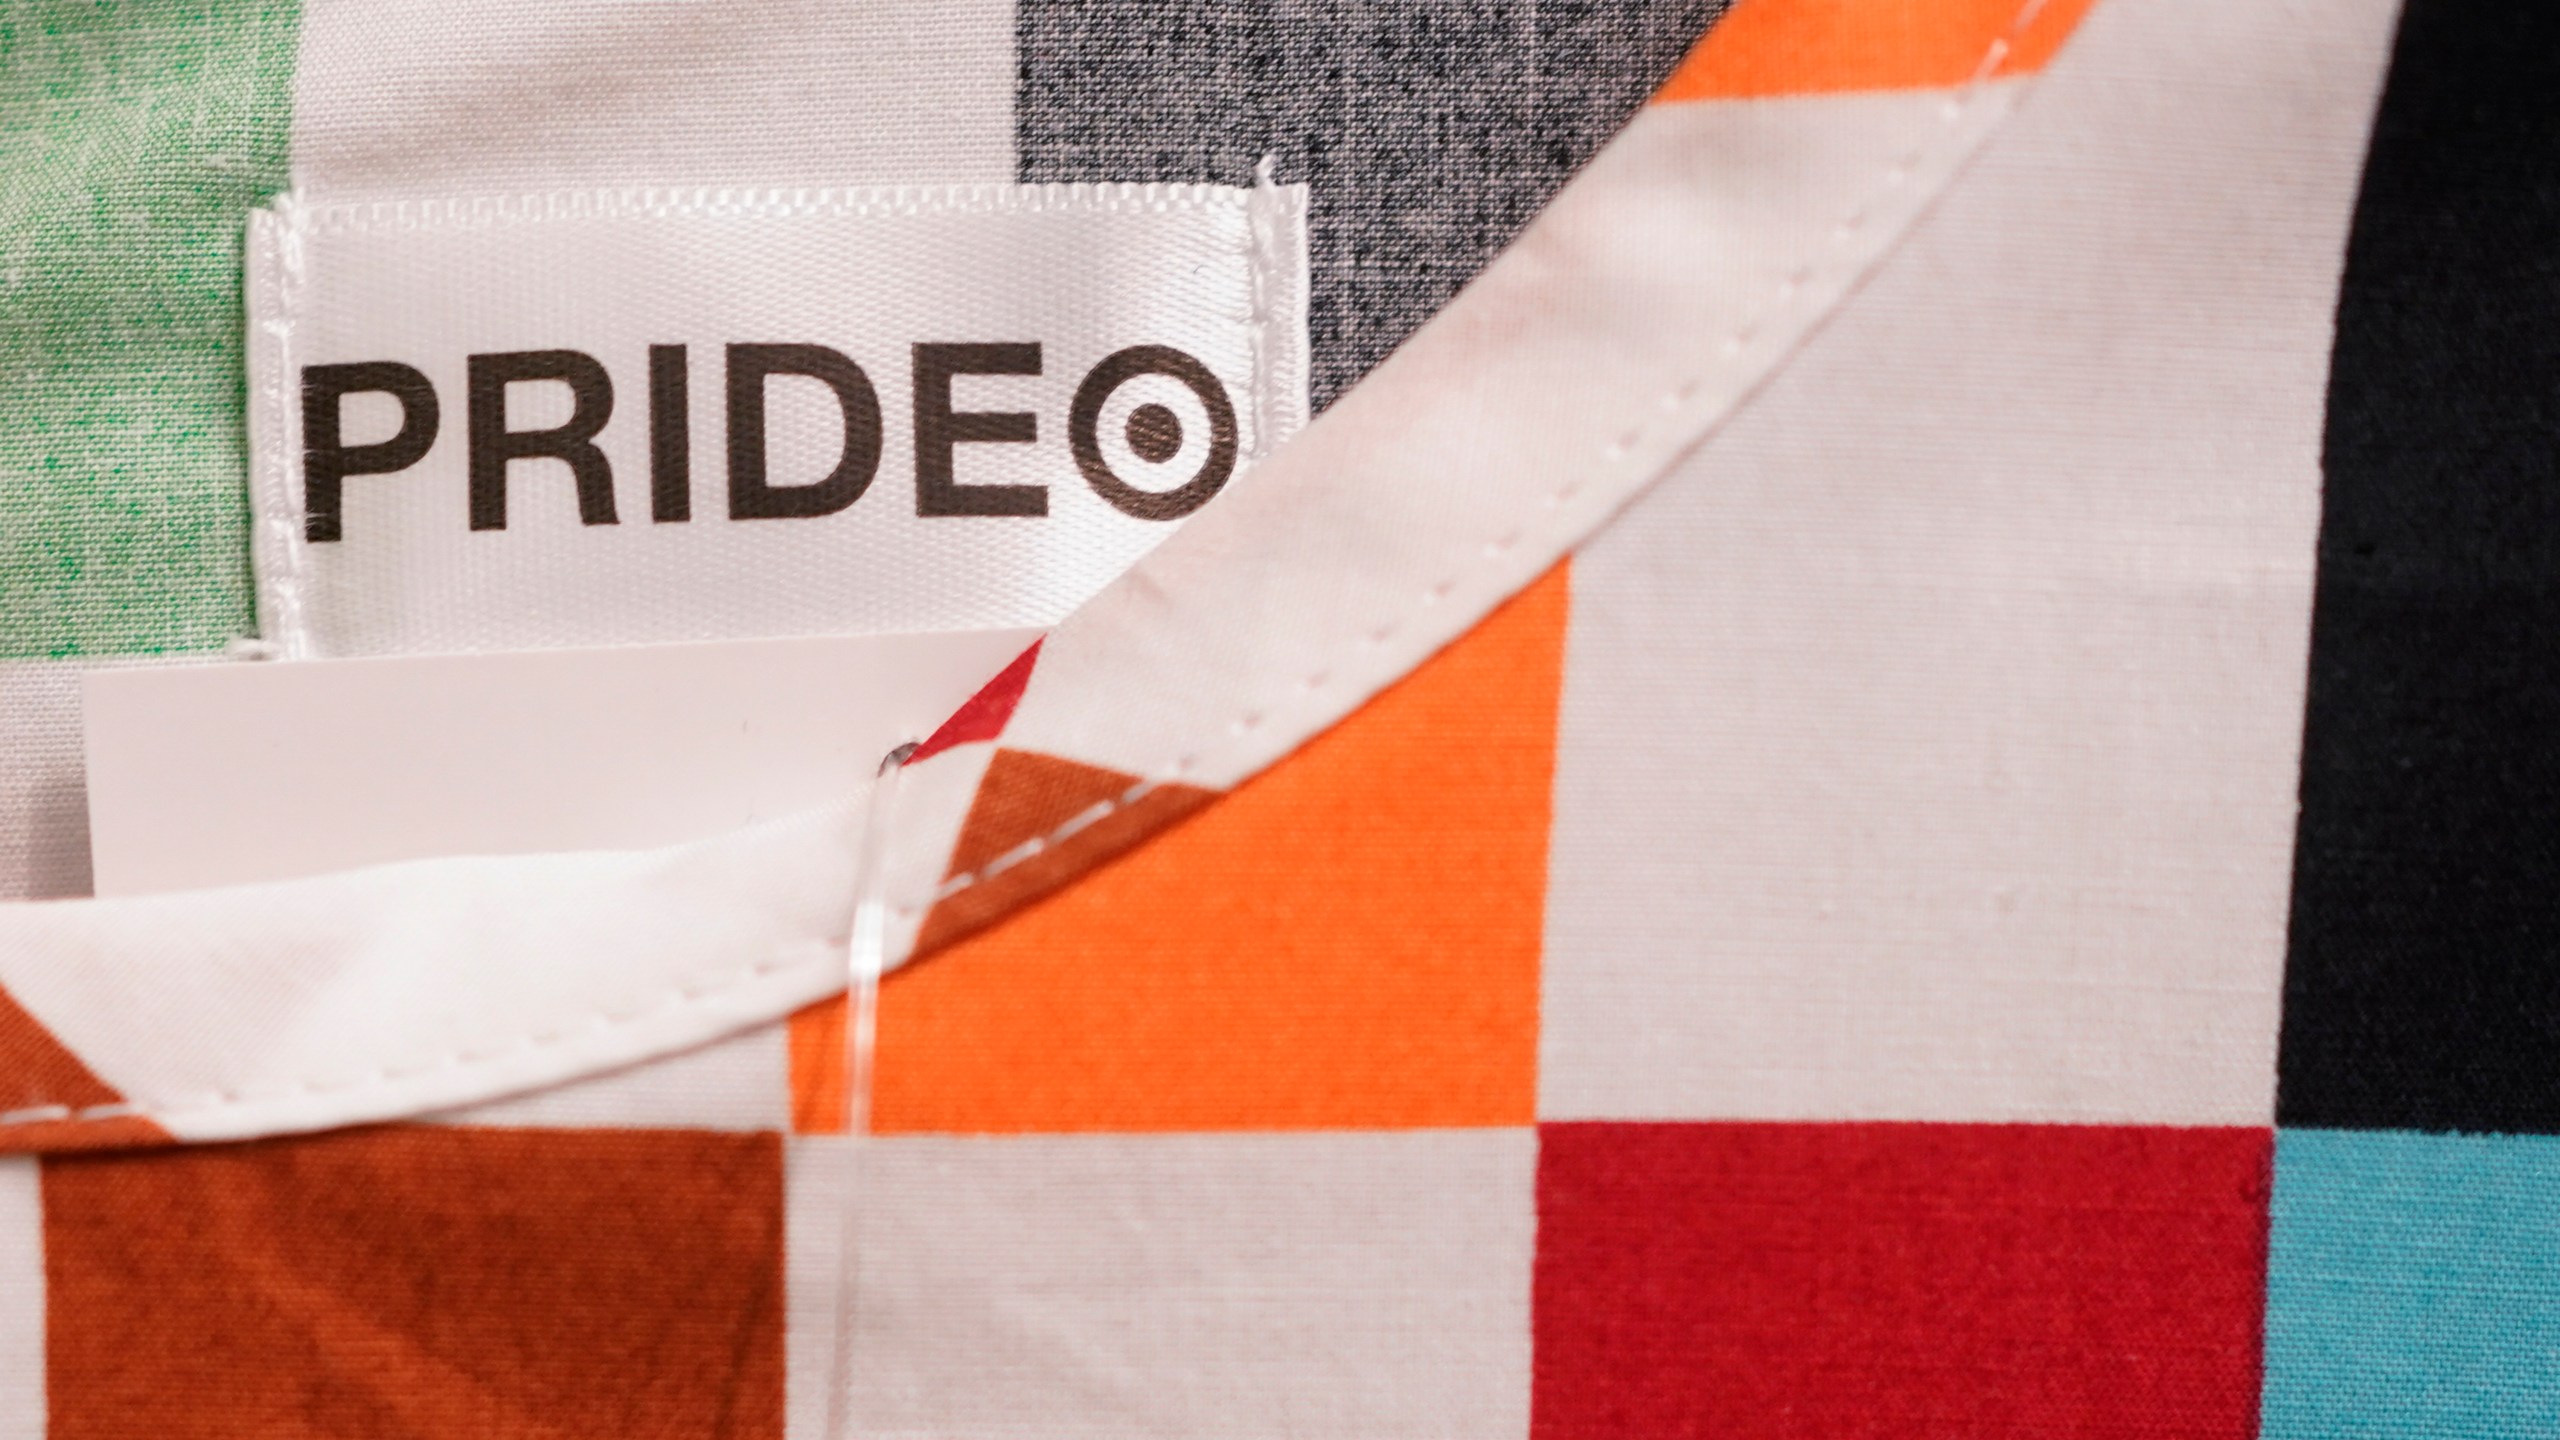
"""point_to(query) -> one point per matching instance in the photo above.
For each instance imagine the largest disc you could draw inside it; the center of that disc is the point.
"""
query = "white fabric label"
(652, 415)
(227, 774)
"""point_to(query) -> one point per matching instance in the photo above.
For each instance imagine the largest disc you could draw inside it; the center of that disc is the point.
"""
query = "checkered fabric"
(1893, 781)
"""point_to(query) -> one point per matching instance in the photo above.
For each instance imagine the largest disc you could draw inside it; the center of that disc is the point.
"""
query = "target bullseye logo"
(1152, 432)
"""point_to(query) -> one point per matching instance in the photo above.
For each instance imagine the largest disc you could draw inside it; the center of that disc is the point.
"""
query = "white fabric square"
(22, 1384)
(1249, 1286)
(1929, 738)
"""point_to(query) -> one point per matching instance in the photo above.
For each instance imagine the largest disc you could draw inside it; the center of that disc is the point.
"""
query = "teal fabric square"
(2413, 1286)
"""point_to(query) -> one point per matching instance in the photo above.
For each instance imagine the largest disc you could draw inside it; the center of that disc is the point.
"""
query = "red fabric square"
(1841, 1280)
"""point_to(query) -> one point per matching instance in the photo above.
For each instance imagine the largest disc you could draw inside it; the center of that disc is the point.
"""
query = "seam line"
(214, 1102)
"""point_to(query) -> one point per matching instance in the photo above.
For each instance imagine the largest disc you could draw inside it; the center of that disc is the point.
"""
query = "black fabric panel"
(2423, 987)
(1429, 130)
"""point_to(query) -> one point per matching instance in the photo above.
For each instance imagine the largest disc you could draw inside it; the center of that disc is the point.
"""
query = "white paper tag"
(225, 774)
(643, 415)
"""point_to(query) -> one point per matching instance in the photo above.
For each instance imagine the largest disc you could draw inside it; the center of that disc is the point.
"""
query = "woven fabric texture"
(2002, 888)
(134, 135)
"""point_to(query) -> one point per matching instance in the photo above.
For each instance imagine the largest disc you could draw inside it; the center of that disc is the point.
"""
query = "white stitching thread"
(1898, 174)
(47, 1114)
(677, 998)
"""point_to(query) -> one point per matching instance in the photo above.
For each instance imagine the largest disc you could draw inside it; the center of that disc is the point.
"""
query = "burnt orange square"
(1348, 941)
(419, 1281)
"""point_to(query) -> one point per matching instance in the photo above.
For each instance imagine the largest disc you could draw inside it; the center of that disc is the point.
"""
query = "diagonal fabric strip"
(1600, 348)
(401, 989)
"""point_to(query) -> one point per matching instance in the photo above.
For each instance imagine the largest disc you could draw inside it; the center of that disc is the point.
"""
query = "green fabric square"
(134, 135)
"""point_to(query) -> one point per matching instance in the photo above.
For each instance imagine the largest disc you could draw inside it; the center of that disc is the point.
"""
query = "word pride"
(1154, 433)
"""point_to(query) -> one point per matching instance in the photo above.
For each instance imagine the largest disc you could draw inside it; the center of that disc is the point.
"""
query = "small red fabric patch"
(983, 715)
(1902, 1280)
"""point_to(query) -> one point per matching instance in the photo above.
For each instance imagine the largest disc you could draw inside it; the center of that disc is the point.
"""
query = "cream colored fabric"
(1929, 737)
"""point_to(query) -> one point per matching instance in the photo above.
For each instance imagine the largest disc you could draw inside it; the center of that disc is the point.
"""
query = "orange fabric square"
(1798, 47)
(1348, 941)
(424, 1282)
(818, 1077)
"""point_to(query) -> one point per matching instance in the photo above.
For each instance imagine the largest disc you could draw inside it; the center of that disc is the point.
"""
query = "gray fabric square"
(1429, 130)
